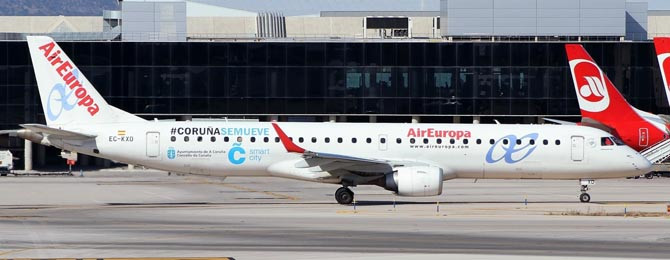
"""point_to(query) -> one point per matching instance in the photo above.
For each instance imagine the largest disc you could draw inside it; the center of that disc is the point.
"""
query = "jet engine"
(414, 181)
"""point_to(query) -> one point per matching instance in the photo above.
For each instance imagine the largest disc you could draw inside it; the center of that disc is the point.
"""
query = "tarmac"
(141, 213)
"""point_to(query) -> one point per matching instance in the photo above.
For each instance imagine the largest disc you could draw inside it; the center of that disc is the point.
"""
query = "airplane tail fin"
(67, 96)
(598, 98)
(662, 45)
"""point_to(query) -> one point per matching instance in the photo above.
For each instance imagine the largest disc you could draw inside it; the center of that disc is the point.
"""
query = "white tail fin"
(67, 96)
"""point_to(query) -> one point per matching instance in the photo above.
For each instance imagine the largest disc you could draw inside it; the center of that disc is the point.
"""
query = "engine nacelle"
(416, 181)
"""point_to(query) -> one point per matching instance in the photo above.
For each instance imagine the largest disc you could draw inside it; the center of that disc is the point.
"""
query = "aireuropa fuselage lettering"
(64, 70)
(432, 132)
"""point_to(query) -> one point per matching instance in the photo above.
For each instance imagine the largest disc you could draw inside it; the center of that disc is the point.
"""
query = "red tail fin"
(597, 96)
(662, 45)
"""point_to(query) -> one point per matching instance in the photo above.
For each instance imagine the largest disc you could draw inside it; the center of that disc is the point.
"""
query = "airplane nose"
(640, 163)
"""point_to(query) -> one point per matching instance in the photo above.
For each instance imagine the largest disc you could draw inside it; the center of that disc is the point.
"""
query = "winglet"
(286, 141)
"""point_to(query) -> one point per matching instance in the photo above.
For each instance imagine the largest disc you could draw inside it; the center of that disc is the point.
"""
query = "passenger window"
(558, 142)
(301, 139)
(185, 138)
(253, 139)
(439, 140)
(339, 139)
(479, 141)
(505, 141)
(532, 142)
(491, 141)
(398, 140)
(425, 140)
(226, 139)
(291, 138)
(313, 139)
(239, 139)
(327, 139)
(605, 141)
(277, 140)
(382, 140)
(368, 140)
(199, 138)
(518, 141)
(173, 138)
(465, 141)
(266, 139)
(411, 140)
(452, 141)
(213, 139)
(545, 142)
(353, 140)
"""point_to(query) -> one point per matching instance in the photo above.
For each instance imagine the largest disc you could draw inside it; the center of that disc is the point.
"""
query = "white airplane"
(408, 159)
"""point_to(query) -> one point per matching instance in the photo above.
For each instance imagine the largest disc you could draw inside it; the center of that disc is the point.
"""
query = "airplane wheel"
(585, 197)
(344, 196)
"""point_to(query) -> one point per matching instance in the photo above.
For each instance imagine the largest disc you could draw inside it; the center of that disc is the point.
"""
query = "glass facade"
(372, 78)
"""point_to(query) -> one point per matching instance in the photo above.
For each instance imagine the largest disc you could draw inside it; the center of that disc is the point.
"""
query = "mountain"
(56, 7)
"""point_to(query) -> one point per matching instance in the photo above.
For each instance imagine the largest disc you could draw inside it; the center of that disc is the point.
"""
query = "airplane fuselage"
(222, 148)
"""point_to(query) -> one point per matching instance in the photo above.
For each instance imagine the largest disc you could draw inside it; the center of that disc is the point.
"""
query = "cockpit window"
(617, 141)
(606, 141)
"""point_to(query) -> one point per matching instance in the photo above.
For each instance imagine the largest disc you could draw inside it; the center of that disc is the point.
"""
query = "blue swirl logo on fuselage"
(236, 154)
(501, 151)
(61, 96)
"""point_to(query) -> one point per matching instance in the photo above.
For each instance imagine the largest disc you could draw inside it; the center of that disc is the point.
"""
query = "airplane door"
(644, 137)
(153, 144)
(577, 148)
(383, 142)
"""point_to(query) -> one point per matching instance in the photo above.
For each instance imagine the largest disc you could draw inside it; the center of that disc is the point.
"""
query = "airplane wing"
(560, 122)
(65, 134)
(334, 162)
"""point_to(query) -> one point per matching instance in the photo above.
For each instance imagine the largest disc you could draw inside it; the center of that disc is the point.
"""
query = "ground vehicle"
(6, 162)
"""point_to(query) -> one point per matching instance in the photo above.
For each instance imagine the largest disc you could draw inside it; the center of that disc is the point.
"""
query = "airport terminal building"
(446, 61)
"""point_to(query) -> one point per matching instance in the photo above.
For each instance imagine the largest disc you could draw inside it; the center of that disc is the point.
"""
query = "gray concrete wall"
(533, 17)
(636, 20)
(153, 21)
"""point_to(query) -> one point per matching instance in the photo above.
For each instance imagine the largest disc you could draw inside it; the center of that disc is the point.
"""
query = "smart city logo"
(63, 100)
(510, 151)
(236, 154)
(171, 153)
(591, 85)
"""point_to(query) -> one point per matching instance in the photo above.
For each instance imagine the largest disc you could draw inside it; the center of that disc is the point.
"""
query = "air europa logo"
(69, 75)
(432, 132)
(507, 149)
(591, 85)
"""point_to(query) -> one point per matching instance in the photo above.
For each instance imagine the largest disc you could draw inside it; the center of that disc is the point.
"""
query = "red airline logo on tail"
(662, 45)
(589, 80)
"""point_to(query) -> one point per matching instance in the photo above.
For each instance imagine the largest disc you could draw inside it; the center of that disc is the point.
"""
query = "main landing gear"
(344, 196)
(585, 197)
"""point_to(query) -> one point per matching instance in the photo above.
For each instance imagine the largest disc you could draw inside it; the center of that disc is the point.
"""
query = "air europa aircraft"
(603, 106)
(408, 159)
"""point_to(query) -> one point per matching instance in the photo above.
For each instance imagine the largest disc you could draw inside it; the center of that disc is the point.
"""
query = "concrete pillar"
(27, 155)
(476, 120)
(131, 167)
(373, 119)
(332, 119)
(457, 119)
(416, 119)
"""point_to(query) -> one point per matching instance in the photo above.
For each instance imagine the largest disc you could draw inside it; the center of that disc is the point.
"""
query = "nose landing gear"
(344, 196)
(585, 197)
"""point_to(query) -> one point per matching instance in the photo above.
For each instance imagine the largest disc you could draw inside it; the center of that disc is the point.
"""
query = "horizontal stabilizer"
(65, 134)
